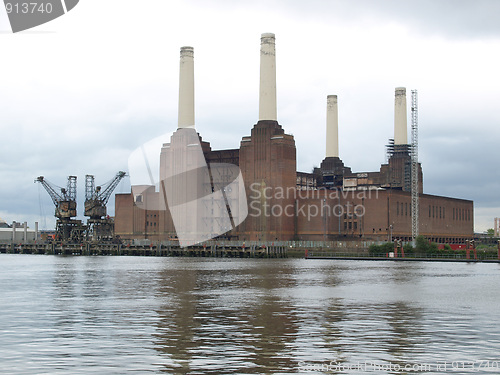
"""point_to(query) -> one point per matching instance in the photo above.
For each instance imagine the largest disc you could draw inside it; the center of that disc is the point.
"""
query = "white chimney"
(400, 121)
(186, 88)
(332, 127)
(267, 94)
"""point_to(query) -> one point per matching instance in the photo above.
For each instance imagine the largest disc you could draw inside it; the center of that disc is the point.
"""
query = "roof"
(3, 223)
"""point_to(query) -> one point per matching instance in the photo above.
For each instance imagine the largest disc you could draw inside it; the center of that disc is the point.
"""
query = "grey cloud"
(449, 18)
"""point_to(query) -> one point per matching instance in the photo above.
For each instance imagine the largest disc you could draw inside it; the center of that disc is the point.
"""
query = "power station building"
(255, 193)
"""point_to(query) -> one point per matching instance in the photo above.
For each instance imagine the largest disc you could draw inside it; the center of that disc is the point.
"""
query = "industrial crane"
(67, 228)
(414, 166)
(100, 226)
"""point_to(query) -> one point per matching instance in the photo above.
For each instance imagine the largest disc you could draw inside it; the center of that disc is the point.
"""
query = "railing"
(287, 244)
(416, 256)
(146, 250)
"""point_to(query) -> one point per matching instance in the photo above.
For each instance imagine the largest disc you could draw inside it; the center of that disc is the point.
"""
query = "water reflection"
(210, 316)
(284, 314)
(215, 324)
(272, 317)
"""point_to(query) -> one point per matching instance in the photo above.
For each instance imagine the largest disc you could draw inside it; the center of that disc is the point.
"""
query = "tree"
(422, 245)
(490, 232)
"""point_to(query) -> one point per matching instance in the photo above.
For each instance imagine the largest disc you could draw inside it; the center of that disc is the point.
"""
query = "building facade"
(330, 203)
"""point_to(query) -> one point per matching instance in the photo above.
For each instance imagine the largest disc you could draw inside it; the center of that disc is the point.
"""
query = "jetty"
(221, 249)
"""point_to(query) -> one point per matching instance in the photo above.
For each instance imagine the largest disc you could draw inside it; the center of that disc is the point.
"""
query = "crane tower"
(414, 165)
(67, 228)
(100, 226)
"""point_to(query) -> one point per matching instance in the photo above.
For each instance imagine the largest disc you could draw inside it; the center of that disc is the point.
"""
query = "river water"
(145, 315)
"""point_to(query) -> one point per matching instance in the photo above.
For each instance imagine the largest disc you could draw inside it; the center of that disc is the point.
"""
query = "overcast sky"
(80, 93)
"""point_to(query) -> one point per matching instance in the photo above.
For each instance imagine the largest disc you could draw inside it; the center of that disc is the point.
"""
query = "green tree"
(409, 249)
(421, 244)
(380, 250)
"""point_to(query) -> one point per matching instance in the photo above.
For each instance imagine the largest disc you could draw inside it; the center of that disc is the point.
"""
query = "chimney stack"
(400, 121)
(332, 127)
(186, 88)
(267, 94)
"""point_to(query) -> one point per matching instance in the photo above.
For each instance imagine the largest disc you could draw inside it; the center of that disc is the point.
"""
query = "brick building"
(330, 203)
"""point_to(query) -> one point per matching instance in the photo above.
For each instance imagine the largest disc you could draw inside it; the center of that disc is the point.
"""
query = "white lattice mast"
(414, 165)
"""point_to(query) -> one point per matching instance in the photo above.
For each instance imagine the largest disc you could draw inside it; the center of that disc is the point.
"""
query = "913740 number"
(26, 8)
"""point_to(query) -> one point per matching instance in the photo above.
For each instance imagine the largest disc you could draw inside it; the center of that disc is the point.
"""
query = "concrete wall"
(6, 235)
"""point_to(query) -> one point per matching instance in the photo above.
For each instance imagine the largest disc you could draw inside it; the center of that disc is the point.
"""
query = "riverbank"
(161, 250)
(236, 249)
(477, 257)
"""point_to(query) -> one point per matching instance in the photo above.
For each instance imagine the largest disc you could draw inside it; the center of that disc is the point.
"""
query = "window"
(406, 209)
(440, 213)
(429, 210)
(138, 198)
(397, 208)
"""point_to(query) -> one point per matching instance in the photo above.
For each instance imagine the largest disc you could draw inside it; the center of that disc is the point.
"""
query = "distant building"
(3, 224)
(18, 233)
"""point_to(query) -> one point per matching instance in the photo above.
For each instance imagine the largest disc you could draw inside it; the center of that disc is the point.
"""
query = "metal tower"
(414, 165)
(67, 228)
(99, 225)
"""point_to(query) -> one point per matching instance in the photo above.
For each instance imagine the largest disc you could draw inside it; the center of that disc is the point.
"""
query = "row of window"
(461, 214)
(350, 225)
(405, 209)
(437, 212)
(352, 215)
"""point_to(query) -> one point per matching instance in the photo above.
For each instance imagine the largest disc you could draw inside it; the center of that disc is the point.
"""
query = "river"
(146, 315)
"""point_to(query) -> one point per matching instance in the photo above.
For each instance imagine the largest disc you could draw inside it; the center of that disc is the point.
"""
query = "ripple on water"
(116, 315)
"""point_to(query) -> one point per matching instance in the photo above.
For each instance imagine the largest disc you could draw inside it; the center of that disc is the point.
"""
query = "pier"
(229, 249)
(326, 250)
